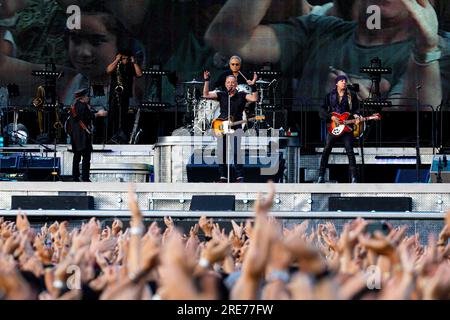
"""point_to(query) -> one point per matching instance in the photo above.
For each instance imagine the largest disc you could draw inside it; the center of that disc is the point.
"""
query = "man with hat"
(80, 130)
(339, 100)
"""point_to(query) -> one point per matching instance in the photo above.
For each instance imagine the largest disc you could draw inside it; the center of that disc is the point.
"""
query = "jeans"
(347, 139)
(235, 155)
(118, 123)
(85, 166)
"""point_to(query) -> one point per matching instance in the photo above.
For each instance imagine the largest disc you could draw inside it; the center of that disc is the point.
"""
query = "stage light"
(44, 73)
(371, 70)
(154, 105)
(155, 73)
(377, 103)
(268, 73)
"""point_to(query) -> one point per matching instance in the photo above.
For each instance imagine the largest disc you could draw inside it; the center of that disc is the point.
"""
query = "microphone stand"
(228, 138)
(417, 135)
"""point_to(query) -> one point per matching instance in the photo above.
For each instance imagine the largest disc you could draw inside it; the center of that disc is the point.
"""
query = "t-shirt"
(311, 44)
(237, 105)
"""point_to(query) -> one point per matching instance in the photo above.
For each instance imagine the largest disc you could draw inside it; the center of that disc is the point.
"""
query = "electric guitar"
(222, 127)
(337, 130)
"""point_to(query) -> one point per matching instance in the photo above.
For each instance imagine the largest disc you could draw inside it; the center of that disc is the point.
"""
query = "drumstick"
(243, 75)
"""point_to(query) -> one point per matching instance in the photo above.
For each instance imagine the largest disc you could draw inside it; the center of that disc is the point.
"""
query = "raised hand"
(425, 21)
(117, 226)
(168, 221)
(238, 229)
(263, 206)
(206, 225)
(216, 251)
(22, 222)
(253, 81)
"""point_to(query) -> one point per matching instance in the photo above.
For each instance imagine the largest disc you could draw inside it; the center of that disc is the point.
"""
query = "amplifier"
(34, 168)
(8, 162)
(38, 163)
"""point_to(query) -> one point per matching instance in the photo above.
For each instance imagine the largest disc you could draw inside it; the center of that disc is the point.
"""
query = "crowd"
(258, 259)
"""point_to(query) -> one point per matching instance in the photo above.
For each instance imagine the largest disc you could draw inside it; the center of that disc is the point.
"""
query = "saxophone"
(38, 102)
(119, 86)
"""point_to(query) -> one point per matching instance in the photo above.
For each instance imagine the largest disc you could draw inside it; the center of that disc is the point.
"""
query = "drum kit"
(202, 111)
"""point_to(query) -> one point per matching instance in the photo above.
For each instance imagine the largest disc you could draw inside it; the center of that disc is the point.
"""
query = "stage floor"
(177, 196)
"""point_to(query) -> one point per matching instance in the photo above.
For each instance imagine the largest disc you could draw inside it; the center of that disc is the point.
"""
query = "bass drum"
(205, 111)
(244, 88)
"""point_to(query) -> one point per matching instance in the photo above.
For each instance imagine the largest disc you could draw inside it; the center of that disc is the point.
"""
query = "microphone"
(354, 87)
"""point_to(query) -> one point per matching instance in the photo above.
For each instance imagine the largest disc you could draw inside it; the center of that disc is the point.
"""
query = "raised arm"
(110, 69)
(137, 68)
(206, 93)
(423, 66)
(237, 29)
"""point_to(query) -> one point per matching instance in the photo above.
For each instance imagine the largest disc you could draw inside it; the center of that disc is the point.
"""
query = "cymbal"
(193, 82)
(262, 82)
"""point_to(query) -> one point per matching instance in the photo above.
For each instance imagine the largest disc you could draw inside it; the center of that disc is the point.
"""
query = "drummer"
(245, 82)
(243, 79)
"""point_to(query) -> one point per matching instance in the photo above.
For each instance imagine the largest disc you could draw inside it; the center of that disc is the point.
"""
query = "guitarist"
(80, 129)
(233, 101)
(339, 100)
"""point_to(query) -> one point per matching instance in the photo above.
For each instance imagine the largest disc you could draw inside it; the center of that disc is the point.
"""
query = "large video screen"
(310, 43)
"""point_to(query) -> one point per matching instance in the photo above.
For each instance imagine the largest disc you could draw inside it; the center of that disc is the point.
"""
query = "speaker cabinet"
(53, 202)
(212, 203)
(370, 203)
(256, 170)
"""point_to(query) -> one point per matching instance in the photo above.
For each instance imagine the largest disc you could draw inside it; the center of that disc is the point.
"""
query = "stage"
(293, 203)
(161, 173)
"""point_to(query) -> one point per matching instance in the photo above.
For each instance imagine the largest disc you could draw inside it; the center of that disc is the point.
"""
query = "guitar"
(337, 130)
(222, 127)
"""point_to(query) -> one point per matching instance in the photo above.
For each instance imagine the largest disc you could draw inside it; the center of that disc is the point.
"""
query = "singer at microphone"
(232, 105)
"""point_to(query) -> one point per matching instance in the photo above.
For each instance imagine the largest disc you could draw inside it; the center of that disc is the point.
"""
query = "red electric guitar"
(337, 130)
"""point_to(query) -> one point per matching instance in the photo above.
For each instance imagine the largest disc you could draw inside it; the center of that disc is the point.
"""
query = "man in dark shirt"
(235, 64)
(232, 104)
(339, 100)
(80, 130)
(243, 81)
(123, 70)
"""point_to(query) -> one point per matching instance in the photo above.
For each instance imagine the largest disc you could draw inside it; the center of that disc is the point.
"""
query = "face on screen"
(389, 8)
(93, 47)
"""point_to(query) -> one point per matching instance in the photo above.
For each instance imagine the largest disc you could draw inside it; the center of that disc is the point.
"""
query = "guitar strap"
(81, 123)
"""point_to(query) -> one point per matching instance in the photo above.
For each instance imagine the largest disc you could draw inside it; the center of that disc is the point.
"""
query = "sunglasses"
(235, 64)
